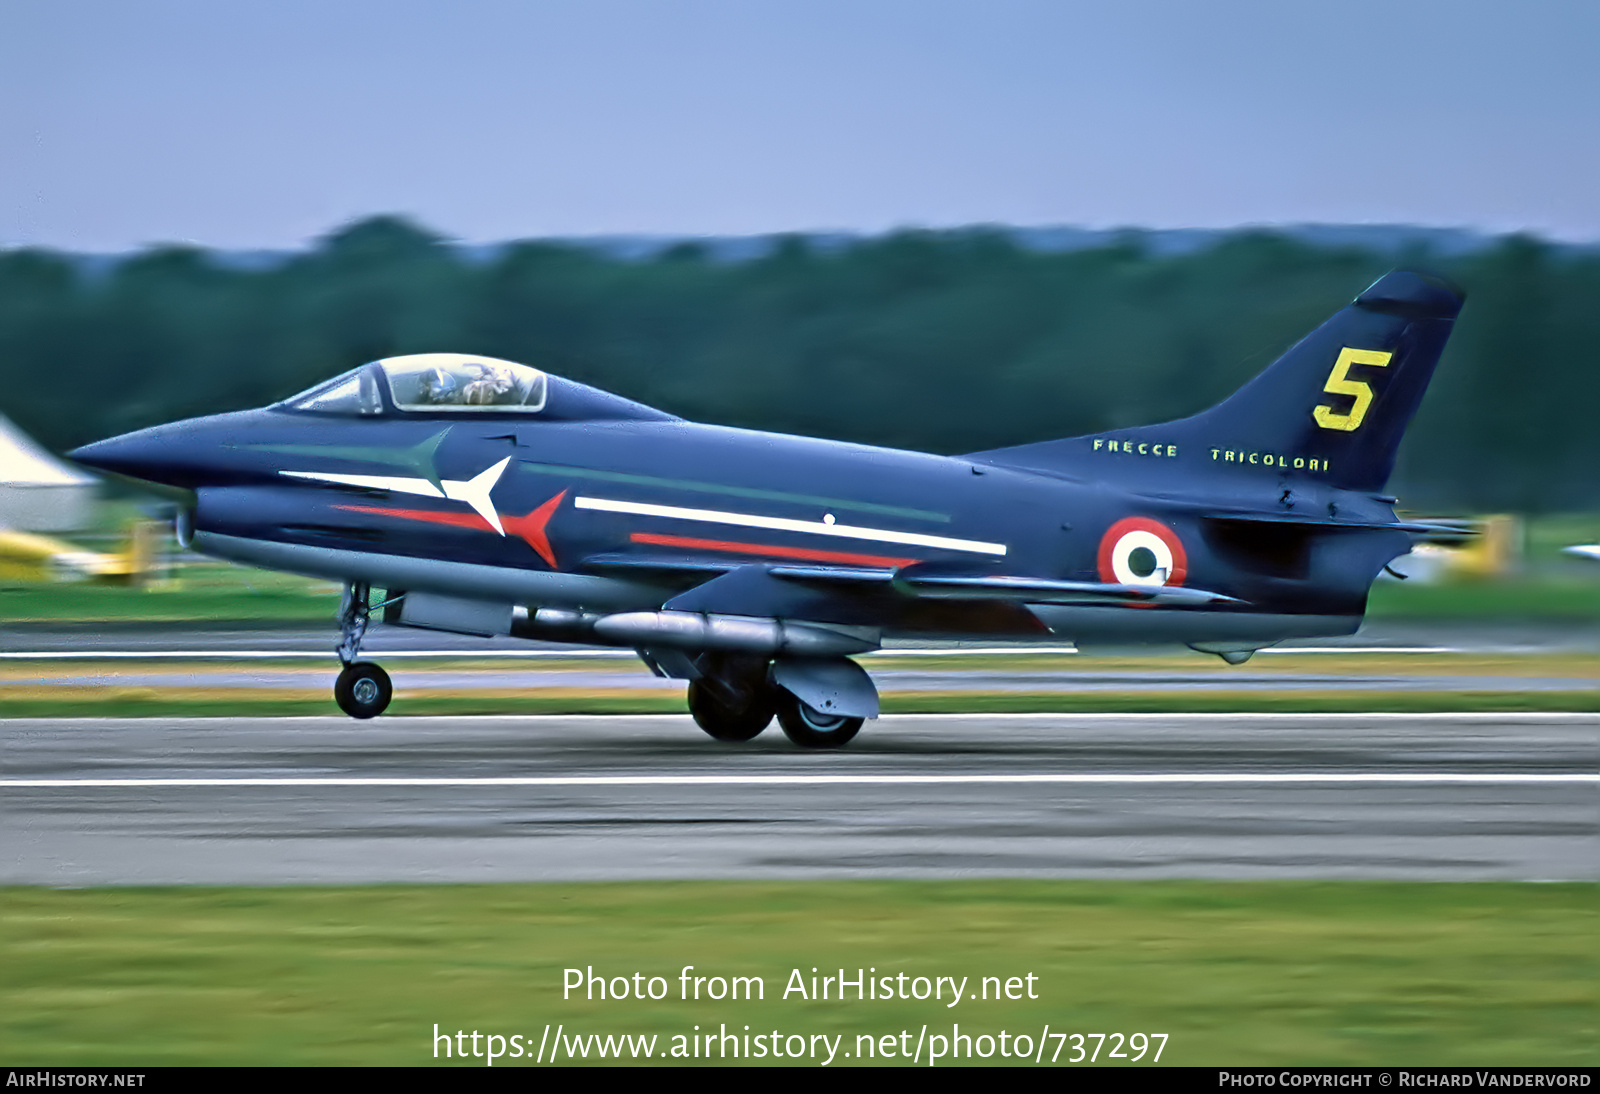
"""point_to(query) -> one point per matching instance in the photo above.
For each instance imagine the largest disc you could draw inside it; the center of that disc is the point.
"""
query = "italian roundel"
(1140, 551)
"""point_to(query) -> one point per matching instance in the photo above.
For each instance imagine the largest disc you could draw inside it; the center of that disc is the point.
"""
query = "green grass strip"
(1566, 600)
(1263, 973)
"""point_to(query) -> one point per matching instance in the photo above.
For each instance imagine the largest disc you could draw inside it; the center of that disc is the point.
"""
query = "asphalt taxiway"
(317, 800)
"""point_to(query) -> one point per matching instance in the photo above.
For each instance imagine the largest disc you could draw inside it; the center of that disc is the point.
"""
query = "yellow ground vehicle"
(28, 557)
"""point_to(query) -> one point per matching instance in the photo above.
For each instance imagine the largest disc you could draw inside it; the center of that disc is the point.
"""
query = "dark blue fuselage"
(652, 507)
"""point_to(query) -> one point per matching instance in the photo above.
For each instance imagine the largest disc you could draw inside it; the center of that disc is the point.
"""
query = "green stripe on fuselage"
(417, 459)
(733, 491)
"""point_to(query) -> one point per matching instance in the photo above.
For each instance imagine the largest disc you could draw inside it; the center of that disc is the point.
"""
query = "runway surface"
(934, 796)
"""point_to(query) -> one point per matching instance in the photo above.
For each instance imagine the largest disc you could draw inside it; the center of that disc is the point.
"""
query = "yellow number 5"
(1339, 383)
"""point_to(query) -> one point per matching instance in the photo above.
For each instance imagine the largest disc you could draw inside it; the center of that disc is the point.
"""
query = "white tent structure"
(39, 493)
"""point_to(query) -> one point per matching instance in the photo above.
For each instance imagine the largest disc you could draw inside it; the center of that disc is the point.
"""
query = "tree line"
(944, 341)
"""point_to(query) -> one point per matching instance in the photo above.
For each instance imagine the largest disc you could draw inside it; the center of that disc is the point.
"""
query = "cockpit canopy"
(460, 383)
(431, 382)
(448, 381)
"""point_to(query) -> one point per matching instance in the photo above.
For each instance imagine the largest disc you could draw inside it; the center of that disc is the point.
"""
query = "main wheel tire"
(363, 690)
(726, 723)
(810, 728)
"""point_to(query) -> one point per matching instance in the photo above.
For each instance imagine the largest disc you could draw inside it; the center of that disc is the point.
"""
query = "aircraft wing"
(1043, 591)
(1030, 590)
(730, 586)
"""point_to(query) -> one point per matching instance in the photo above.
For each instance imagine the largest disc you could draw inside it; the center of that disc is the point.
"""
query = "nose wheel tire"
(726, 723)
(810, 728)
(363, 690)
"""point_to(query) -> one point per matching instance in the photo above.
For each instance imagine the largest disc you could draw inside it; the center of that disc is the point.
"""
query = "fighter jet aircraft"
(490, 498)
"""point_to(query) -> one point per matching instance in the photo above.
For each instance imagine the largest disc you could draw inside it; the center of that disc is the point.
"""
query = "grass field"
(1234, 973)
(203, 592)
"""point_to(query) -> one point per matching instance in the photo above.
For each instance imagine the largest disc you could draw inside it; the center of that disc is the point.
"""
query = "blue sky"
(129, 122)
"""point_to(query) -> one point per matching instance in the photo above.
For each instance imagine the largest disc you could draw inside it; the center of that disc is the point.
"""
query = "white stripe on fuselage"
(473, 491)
(784, 524)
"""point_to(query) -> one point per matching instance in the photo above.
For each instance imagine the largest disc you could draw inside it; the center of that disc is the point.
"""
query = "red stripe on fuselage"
(458, 520)
(531, 527)
(844, 558)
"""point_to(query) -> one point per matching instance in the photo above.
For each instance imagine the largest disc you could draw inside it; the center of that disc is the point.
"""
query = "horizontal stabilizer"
(1445, 533)
(1331, 524)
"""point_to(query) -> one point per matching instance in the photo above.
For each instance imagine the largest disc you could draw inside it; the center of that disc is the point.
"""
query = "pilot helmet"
(438, 386)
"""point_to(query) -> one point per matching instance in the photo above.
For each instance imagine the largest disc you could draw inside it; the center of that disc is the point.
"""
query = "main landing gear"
(736, 701)
(728, 718)
(363, 689)
(810, 728)
(730, 697)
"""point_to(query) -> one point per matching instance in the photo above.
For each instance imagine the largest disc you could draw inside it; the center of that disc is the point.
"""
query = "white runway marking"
(1109, 779)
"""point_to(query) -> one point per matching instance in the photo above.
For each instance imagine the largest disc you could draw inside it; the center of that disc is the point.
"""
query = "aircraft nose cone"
(144, 455)
(185, 455)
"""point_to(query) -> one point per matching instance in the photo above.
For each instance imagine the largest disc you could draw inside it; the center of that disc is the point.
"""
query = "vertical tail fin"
(1344, 395)
(1333, 407)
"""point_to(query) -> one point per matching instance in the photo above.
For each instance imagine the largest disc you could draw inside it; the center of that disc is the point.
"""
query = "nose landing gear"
(363, 689)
